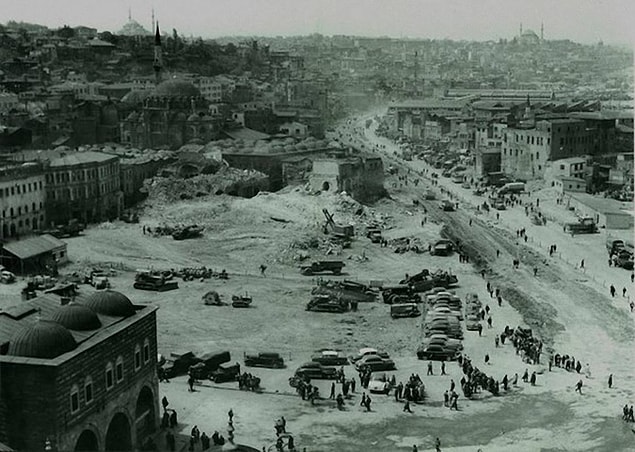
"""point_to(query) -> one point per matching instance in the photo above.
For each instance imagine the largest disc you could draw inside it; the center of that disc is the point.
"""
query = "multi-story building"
(84, 186)
(22, 199)
(526, 149)
(78, 375)
(210, 89)
(361, 177)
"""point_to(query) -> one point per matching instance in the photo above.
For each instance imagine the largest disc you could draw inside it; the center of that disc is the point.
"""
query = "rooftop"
(77, 158)
(33, 246)
(604, 205)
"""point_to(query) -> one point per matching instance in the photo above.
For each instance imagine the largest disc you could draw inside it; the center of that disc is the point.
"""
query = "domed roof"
(109, 302)
(176, 88)
(45, 339)
(76, 317)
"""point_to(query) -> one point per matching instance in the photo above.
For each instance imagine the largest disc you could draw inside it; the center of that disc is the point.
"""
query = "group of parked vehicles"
(442, 328)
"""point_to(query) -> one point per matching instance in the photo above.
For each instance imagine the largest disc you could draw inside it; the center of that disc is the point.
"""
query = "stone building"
(171, 115)
(361, 177)
(84, 186)
(22, 199)
(78, 375)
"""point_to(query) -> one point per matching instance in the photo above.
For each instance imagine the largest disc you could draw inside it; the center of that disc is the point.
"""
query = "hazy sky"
(580, 20)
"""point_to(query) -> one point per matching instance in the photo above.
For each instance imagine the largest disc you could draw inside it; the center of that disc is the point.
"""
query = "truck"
(337, 229)
(585, 225)
(322, 266)
(614, 246)
(60, 231)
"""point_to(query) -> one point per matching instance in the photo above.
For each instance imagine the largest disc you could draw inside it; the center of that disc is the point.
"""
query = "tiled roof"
(34, 246)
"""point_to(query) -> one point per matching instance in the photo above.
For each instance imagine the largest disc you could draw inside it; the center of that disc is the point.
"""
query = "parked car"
(178, 363)
(267, 359)
(367, 351)
(379, 384)
(404, 310)
(329, 357)
(472, 322)
(375, 363)
(500, 205)
(434, 353)
(316, 371)
(442, 248)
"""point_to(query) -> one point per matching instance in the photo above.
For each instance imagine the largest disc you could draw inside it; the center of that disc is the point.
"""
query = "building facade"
(84, 186)
(78, 375)
(362, 177)
(22, 199)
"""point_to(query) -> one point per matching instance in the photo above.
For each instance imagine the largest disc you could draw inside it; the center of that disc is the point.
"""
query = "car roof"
(363, 351)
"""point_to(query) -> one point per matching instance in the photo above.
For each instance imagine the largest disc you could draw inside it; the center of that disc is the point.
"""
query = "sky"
(585, 21)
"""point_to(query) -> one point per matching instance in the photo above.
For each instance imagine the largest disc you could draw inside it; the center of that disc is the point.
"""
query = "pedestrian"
(489, 321)
(406, 407)
(532, 380)
(505, 382)
(525, 376)
(632, 278)
(452, 385)
(487, 309)
(190, 383)
(486, 358)
(578, 386)
(610, 381)
(498, 253)
(446, 398)
(612, 289)
(624, 292)
(470, 222)
(368, 402)
(515, 380)
(443, 368)
(582, 263)
(414, 448)
(632, 305)
(165, 403)
(437, 445)
(497, 215)
(496, 341)
(363, 402)
(353, 384)
(430, 368)
(480, 329)
(263, 268)
(332, 394)
(535, 271)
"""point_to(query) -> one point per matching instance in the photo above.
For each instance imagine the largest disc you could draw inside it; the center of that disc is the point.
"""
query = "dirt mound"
(232, 181)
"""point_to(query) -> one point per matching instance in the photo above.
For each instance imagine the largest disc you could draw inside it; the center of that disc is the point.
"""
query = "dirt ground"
(569, 308)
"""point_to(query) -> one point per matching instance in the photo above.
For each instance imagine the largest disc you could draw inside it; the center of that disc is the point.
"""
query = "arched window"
(74, 399)
(119, 369)
(137, 357)
(146, 351)
(88, 390)
(110, 381)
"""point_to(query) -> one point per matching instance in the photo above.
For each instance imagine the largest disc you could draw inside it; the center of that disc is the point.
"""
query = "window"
(119, 369)
(88, 390)
(137, 357)
(109, 376)
(18, 189)
(561, 167)
(74, 399)
(146, 351)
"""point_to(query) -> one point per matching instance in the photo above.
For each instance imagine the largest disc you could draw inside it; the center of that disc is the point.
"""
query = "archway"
(5, 231)
(326, 186)
(87, 441)
(118, 434)
(144, 414)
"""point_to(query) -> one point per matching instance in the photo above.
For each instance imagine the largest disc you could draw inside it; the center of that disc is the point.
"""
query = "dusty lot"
(569, 308)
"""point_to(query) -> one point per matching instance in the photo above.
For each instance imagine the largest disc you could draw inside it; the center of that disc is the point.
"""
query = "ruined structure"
(361, 177)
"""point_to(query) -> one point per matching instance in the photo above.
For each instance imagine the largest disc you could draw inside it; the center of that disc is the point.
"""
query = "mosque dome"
(76, 317)
(135, 97)
(111, 303)
(45, 339)
(176, 88)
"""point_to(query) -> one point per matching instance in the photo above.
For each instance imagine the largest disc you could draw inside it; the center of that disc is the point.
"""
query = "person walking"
(165, 403)
(480, 329)
(489, 321)
(443, 368)
(332, 394)
(406, 407)
(582, 264)
(263, 268)
(578, 386)
(612, 289)
(532, 380)
(430, 368)
(610, 381)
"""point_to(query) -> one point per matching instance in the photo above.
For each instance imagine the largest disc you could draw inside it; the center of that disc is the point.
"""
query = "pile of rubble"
(404, 244)
(232, 181)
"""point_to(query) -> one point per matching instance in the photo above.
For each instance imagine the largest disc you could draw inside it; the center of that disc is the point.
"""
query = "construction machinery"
(350, 290)
(584, 225)
(322, 266)
(425, 280)
(342, 233)
(241, 301)
(328, 303)
(146, 280)
(187, 232)
(71, 229)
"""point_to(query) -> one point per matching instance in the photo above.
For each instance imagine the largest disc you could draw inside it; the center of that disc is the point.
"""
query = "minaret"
(521, 29)
(152, 28)
(416, 88)
(158, 60)
(129, 14)
(542, 31)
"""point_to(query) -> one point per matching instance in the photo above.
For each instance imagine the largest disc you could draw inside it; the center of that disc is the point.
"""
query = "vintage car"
(329, 357)
(442, 248)
(316, 370)
(367, 351)
(447, 206)
(178, 363)
(268, 359)
(379, 384)
(435, 353)
(375, 363)
(472, 322)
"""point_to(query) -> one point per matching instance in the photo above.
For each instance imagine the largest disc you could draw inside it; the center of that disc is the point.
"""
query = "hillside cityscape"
(314, 243)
